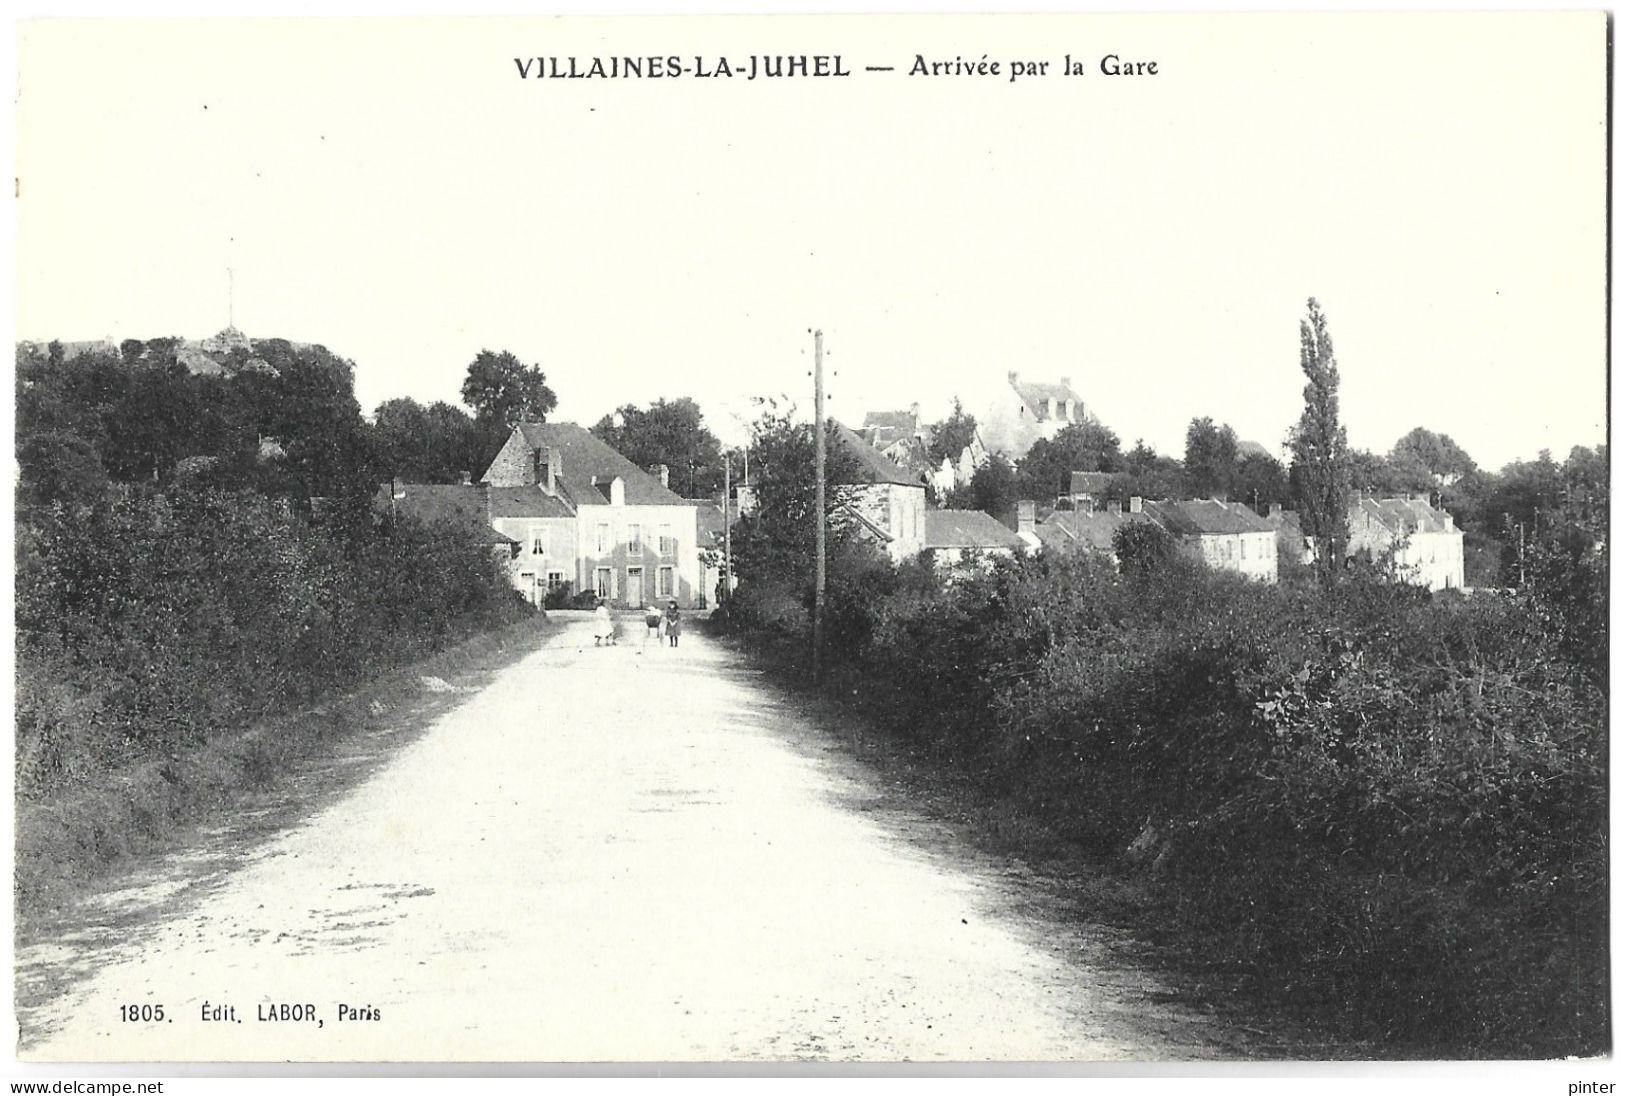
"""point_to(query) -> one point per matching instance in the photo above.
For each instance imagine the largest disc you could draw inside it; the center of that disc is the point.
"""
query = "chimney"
(547, 469)
(1066, 382)
(914, 412)
(465, 478)
(662, 473)
(1014, 377)
(1136, 505)
(1275, 509)
(1026, 516)
(1113, 506)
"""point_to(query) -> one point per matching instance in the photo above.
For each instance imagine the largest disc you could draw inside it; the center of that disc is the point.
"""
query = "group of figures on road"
(663, 627)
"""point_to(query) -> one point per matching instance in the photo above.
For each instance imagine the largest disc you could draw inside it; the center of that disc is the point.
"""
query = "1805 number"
(141, 1014)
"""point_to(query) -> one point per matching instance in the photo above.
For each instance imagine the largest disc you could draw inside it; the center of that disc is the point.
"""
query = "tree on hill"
(433, 444)
(1424, 456)
(1260, 481)
(995, 488)
(1146, 473)
(1045, 473)
(952, 434)
(1210, 459)
(671, 433)
(1319, 445)
(504, 391)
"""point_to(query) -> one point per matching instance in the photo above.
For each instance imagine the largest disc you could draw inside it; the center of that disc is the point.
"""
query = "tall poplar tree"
(1320, 448)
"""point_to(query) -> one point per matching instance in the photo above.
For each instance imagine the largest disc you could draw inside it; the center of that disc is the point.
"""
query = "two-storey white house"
(584, 514)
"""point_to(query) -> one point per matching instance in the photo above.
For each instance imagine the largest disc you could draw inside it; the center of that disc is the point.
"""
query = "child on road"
(674, 623)
(603, 625)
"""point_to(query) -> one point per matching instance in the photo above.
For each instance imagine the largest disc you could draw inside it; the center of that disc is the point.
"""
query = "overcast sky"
(395, 191)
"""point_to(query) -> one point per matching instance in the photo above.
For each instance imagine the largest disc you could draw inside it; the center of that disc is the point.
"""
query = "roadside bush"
(1385, 805)
(148, 623)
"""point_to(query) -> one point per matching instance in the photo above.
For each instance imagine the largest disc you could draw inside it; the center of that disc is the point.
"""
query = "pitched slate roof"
(1037, 394)
(1091, 529)
(1402, 516)
(1199, 517)
(882, 428)
(967, 529)
(1090, 483)
(527, 502)
(872, 465)
(457, 504)
(1252, 449)
(586, 458)
(711, 521)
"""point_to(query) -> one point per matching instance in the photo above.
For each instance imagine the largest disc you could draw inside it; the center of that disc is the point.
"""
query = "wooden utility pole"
(727, 529)
(818, 505)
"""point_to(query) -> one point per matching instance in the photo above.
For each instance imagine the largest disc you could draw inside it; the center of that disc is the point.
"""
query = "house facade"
(601, 522)
(885, 496)
(1425, 543)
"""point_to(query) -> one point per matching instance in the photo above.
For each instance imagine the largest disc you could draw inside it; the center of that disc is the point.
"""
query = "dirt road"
(629, 853)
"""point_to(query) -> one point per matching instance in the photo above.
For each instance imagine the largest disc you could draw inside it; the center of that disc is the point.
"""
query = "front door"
(634, 587)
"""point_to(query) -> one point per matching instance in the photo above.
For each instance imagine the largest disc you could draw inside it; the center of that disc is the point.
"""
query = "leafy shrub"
(1387, 804)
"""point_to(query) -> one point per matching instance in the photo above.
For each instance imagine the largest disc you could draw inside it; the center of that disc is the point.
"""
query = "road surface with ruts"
(605, 854)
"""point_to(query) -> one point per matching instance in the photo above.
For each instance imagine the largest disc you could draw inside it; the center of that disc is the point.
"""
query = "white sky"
(395, 191)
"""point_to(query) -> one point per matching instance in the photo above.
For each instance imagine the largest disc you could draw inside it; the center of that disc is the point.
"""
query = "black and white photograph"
(753, 540)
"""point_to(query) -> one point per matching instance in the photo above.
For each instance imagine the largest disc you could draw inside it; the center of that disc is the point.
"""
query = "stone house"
(609, 525)
(888, 499)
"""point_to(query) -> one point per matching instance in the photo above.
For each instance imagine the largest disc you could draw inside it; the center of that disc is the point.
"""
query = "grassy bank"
(68, 842)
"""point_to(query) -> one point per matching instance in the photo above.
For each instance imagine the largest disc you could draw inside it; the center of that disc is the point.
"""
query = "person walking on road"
(674, 623)
(603, 625)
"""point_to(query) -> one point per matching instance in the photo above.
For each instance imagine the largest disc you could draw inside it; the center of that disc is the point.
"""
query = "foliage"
(503, 392)
(952, 435)
(1045, 473)
(1147, 474)
(670, 433)
(994, 487)
(1387, 806)
(1210, 459)
(1143, 548)
(433, 444)
(1260, 481)
(1319, 446)
(777, 538)
(165, 619)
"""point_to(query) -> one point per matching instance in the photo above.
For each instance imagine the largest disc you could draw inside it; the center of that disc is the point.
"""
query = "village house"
(1087, 490)
(955, 538)
(907, 442)
(592, 518)
(1425, 544)
(1227, 536)
(1019, 412)
(887, 502)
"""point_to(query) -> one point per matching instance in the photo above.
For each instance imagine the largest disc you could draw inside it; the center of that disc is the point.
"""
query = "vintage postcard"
(936, 539)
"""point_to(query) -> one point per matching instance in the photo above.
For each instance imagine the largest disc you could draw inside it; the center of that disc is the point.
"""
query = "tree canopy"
(672, 433)
(503, 391)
